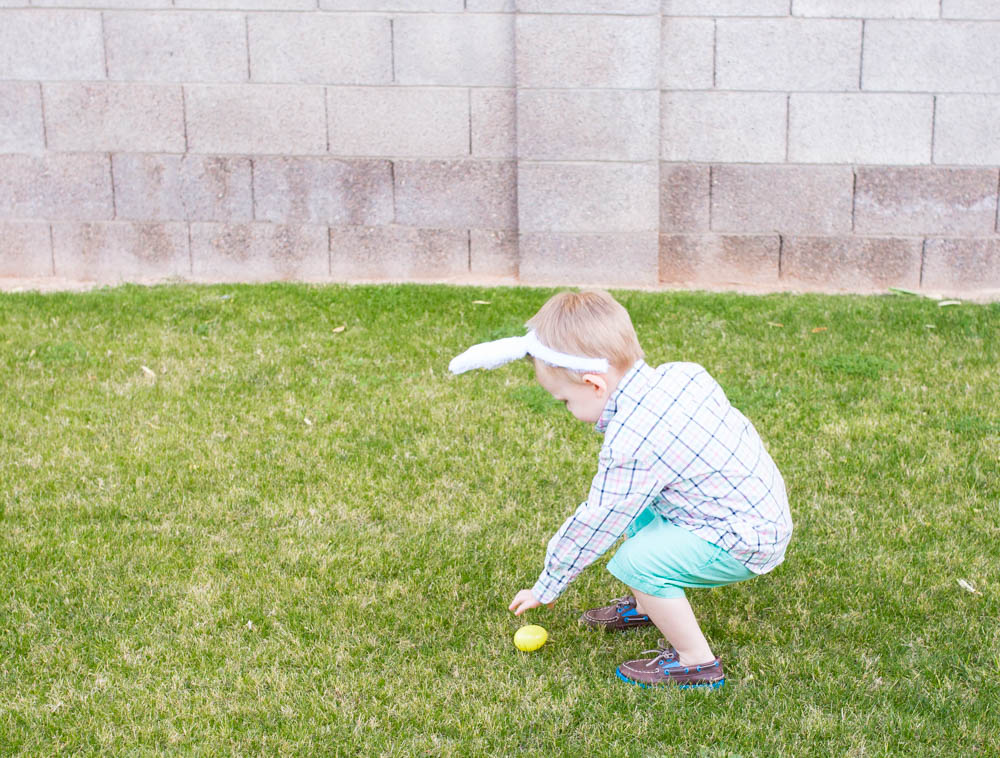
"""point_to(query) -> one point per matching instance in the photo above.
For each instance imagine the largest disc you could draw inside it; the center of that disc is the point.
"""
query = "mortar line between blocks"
(923, 257)
(253, 191)
(861, 62)
(933, 126)
(468, 238)
(104, 45)
(114, 200)
(52, 249)
(190, 252)
(854, 200)
(392, 187)
(781, 252)
(45, 126)
(246, 23)
(184, 116)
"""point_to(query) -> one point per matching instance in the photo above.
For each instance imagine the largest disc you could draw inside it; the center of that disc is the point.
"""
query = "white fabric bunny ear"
(499, 352)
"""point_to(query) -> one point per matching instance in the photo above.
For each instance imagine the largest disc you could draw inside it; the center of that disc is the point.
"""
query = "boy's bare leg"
(675, 619)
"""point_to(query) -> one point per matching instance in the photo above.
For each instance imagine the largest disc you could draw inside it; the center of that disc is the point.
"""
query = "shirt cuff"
(548, 588)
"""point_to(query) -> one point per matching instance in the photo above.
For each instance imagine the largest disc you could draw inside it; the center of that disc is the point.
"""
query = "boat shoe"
(620, 614)
(666, 669)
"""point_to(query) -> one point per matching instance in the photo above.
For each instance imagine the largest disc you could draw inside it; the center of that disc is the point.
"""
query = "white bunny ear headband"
(499, 352)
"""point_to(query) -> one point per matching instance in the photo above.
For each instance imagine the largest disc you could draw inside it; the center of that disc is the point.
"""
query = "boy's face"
(585, 400)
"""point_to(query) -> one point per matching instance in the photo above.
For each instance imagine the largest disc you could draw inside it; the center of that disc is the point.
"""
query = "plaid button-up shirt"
(674, 443)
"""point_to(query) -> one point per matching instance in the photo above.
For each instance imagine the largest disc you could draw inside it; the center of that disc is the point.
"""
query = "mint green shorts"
(660, 559)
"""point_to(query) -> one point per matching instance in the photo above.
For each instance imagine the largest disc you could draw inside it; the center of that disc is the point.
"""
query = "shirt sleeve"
(621, 489)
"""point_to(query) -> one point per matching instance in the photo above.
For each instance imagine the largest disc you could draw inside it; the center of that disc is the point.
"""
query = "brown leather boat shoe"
(620, 614)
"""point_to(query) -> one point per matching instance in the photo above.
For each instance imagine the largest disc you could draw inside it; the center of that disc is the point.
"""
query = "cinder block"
(120, 252)
(965, 130)
(439, 6)
(104, 116)
(867, 8)
(259, 252)
(611, 260)
(182, 188)
(687, 53)
(725, 7)
(55, 186)
(932, 56)
(176, 46)
(588, 51)
(456, 194)
(256, 118)
(25, 250)
(21, 129)
(613, 125)
(724, 126)
(250, 5)
(493, 253)
(972, 9)
(962, 266)
(634, 8)
(947, 201)
(782, 199)
(418, 122)
(851, 264)
(51, 44)
(860, 128)
(323, 191)
(788, 54)
(710, 260)
(494, 128)
(684, 198)
(454, 49)
(589, 197)
(104, 4)
(320, 48)
(393, 253)
(490, 6)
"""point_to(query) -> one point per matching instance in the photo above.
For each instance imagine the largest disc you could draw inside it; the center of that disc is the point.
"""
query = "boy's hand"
(524, 601)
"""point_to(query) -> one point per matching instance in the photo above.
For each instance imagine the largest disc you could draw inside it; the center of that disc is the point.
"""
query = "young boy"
(681, 471)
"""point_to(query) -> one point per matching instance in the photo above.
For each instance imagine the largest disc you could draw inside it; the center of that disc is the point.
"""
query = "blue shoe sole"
(712, 686)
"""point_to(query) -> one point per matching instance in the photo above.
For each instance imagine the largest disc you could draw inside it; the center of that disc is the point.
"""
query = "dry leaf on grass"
(967, 586)
(481, 302)
(819, 329)
(149, 372)
(339, 329)
(775, 324)
(943, 303)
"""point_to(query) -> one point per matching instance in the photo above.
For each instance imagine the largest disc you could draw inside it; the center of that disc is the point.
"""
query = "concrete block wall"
(838, 145)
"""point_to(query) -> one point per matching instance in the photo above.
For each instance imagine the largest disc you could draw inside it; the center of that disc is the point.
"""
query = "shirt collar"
(632, 381)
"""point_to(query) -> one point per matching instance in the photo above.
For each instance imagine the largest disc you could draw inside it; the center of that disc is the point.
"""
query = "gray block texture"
(725, 7)
(397, 253)
(494, 254)
(493, 122)
(259, 119)
(323, 191)
(867, 8)
(176, 46)
(687, 53)
(790, 54)
(743, 127)
(118, 251)
(54, 186)
(311, 48)
(454, 49)
(966, 131)
(851, 264)
(456, 194)
(182, 187)
(611, 125)
(957, 265)
(970, 9)
(932, 56)
(25, 250)
(684, 198)
(259, 252)
(588, 51)
(628, 259)
(42, 44)
(782, 199)
(915, 201)
(21, 127)
(714, 260)
(114, 117)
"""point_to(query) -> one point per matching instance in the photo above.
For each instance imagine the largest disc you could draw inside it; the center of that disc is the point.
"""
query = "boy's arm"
(621, 489)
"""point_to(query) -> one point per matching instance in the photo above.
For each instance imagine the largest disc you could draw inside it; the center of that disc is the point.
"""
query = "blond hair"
(591, 324)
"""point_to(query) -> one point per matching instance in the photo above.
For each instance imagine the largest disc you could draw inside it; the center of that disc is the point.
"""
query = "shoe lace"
(622, 602)
(665, 653)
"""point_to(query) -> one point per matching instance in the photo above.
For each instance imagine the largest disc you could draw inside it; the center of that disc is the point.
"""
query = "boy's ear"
(597, 381)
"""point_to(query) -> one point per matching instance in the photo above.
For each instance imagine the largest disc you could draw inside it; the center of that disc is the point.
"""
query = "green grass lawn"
(228, 527)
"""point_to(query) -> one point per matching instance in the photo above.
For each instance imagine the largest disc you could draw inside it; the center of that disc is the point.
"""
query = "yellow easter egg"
(530, 637)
